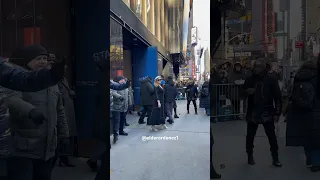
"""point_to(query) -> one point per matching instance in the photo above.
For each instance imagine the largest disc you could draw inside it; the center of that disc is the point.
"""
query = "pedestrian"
(192, 93)
(303, 125)
(47, 129)
(205, 97)
(20, 79)
(234, 89)
(147, 93)
(119, 109)
(264, 107)
(68, 97)
(157, 120)
(175, 102)
(131, 102)
(171, 93)
(247, 72)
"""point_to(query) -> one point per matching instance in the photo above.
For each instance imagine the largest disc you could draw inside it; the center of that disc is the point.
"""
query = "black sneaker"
(176, 116)
(276, 163)
(126, 124)
(122, 133)
(93, 165)
(251, 160)
(171, 121)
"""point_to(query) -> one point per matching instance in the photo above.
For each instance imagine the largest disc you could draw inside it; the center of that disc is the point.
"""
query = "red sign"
(299, 44)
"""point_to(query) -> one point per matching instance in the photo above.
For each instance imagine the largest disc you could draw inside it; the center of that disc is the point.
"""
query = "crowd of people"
(157, 102)
(265, 105)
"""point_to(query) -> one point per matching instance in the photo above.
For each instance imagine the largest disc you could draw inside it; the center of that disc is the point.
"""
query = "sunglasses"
(159, 79)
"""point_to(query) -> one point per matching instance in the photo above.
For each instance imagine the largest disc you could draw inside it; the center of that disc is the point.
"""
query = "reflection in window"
(116, 49)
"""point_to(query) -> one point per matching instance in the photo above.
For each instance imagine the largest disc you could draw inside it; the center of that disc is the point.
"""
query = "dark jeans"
(194, 104)
(269, 129)
(104, 172)
(146, 110)
(119, 119)
(29, 169)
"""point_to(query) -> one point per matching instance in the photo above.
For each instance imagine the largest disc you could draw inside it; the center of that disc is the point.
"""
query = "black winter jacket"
(265, 103)
(171, 92)
(147, 92)
(303, 126)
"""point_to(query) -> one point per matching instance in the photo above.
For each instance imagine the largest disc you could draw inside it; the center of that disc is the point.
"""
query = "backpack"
(303, 95)
(204, 92)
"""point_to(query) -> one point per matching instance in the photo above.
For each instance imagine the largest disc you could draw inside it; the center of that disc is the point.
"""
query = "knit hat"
(22, 56)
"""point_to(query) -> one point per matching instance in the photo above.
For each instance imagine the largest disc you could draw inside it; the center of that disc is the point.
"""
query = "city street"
(184, 159)
(231, 161)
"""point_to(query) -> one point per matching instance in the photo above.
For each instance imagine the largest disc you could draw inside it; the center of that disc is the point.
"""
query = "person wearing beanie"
(170, 78)
(45, 111)
(20, 79)
(119, 109)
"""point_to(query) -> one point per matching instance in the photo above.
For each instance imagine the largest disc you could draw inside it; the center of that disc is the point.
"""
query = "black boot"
(122, 133)
(115, 138)
(188, 111)
(276, 162)
(64, 161)
(141, 121)
(213, 173)
(196, 111)
(251, 160)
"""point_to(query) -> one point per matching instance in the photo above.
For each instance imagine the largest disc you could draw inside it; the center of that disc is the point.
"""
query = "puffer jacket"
(120, 105)
(147, 92)
(32, 141)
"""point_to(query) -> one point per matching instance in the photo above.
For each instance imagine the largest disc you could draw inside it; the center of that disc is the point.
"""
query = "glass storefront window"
(116, 49)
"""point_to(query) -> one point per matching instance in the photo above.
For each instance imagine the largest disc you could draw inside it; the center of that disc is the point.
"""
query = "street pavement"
(184, 159)
(133, 159)
(230, 158)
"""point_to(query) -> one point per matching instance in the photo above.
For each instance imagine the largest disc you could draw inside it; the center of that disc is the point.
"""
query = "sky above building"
(201, 19)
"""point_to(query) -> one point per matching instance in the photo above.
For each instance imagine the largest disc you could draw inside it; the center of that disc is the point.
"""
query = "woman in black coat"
(157, 120)
(205, 97)
(303, 125)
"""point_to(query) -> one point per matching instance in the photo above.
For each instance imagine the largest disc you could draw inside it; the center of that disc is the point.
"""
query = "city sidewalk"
(230, 158)
(184, 159)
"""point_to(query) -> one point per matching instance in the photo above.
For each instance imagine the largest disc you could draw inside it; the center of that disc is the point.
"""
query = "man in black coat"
(146, 98)
(264, 107)
(192, 94)
(171, 93)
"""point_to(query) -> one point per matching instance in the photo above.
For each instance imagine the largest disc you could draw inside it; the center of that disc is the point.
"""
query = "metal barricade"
(227, 102)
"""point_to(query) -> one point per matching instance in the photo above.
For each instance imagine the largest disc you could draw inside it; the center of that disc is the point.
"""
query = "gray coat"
(30, 140)
(118, 104)
(131, 97)
(67, 99)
